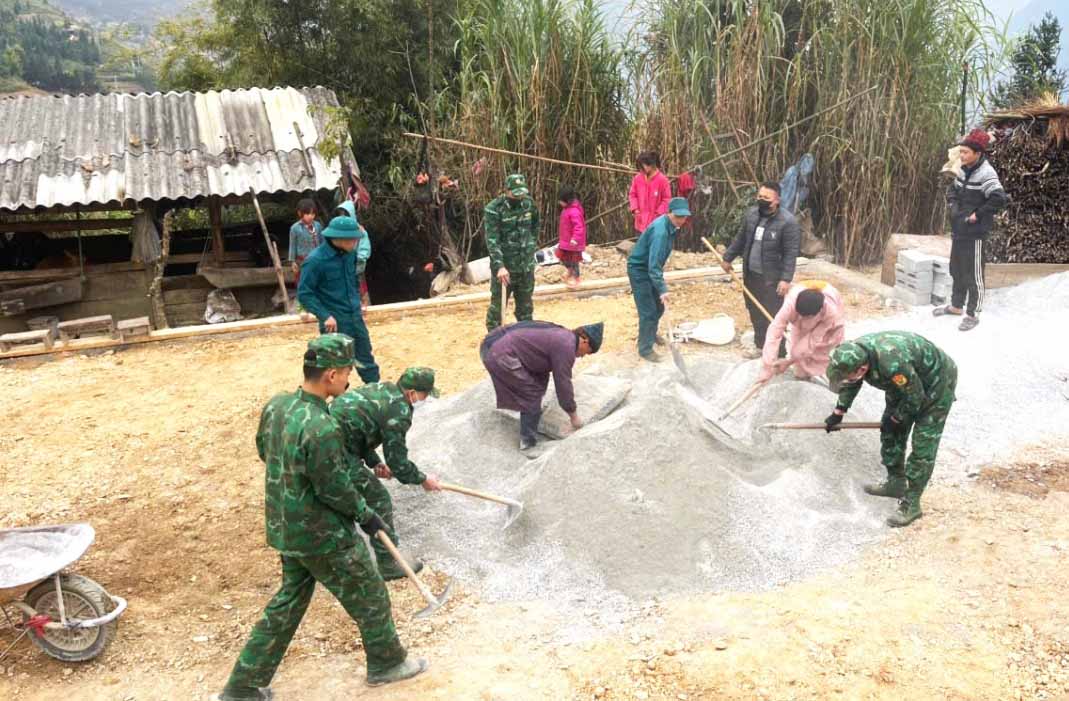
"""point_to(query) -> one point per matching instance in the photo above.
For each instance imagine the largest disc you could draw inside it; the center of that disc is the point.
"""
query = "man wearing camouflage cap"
(376, 415)
(512, 225)
(919, 381)
(312, 504)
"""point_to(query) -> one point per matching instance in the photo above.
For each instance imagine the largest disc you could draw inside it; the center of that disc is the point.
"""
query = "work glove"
(373, 525)
(832, 422)
(891, 425)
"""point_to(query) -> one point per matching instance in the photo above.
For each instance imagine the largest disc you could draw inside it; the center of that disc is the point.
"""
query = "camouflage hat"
(332, 350)
(846, 359)
(517, 185)
(418, 379)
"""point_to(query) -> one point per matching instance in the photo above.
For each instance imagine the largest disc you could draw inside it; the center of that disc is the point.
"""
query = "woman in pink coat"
(650, 191)
(572, 235)
(814, 311)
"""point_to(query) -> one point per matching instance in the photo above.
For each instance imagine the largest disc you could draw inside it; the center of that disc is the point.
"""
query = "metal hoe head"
(435, 602)
(515, 508)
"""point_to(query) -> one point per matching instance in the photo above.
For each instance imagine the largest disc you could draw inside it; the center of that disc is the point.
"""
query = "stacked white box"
(915, 274)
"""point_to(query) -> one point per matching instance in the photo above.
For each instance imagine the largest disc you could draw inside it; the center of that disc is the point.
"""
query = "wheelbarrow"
(70, 617)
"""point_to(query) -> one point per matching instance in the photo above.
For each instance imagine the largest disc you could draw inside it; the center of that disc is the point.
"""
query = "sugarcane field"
(550, 350)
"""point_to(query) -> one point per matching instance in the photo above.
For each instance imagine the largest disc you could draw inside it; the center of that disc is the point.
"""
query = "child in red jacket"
(572, 232)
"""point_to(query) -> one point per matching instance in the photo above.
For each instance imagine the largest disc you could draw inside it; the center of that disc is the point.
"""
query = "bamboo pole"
(504, 152)
(273, 250)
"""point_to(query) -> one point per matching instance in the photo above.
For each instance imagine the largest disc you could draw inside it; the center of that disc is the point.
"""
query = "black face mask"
(764, 208)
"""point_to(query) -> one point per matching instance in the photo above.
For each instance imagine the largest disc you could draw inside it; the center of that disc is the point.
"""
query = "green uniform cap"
(517, 185)
(679, 206)
(418, 379)
(332, 350)
(846, 359)
(342, 228)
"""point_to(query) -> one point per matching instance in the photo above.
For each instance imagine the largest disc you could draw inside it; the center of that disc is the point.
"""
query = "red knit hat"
(977, 140)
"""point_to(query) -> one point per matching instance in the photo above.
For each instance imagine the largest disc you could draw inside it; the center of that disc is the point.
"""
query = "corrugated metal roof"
(99, 149)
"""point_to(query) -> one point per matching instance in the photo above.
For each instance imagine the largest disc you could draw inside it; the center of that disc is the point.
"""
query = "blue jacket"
(301, 241)
(329, 285)
(652, 250)
(363, 248)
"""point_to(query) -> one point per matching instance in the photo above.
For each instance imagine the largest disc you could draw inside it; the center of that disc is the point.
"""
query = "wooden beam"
(21, 227)
(215, 216)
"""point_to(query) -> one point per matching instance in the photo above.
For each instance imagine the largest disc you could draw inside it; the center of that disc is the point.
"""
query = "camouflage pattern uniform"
(919, 381)
(379, 415)
(512, 227)
(312, 506)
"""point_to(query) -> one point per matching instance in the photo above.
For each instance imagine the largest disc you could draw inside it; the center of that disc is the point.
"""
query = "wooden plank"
(20, 227)
(188, 296)
(215, 217)
(49, 294)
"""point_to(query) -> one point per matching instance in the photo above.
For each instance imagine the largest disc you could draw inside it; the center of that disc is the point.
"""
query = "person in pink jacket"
(572, 232)
(650, 191)
(814, 312)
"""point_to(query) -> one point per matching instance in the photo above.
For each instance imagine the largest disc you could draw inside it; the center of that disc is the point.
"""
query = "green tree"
(1034, 61)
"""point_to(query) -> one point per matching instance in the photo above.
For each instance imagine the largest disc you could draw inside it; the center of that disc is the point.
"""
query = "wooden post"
(215, 216)
(273, 250)
(155, 291)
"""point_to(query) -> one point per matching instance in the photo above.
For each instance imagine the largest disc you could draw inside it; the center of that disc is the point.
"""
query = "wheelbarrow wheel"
(82, 598)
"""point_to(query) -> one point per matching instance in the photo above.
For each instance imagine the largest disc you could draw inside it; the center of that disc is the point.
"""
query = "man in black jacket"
(768, 242)
(974, 198)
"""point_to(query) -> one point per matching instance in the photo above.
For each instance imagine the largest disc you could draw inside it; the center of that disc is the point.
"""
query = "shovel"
(677, 355)
(433, 602)
(515, 508)
(821, 426)
(741, 400)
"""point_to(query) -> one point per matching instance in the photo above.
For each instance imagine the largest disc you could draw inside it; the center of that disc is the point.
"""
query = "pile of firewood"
(1031, 156)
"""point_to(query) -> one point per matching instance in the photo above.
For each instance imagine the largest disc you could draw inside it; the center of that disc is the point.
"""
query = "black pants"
(967, 269)
(529, 425)
(765, 290)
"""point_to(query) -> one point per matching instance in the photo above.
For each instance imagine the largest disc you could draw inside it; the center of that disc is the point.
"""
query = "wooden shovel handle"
(423, 590)
(739, 282)
(753, 390)
(813, 427)
(477, 494)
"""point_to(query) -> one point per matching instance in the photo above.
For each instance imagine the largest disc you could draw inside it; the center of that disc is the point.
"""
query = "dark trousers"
(764, 289)
(354, 327)
(529, 425)
(967, 269)
(650, 309)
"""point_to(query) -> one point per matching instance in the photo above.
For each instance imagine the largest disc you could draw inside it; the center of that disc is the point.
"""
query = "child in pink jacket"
(650, 191)
(572, 232)
(814, 311)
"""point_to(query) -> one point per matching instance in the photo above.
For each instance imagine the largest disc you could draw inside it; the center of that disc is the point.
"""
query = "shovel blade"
(514, 511)
(439, 600)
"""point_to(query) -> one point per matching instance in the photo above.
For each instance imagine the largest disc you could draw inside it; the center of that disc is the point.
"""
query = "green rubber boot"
(390, 570)
(909, 510)
(406, 670)
(244, 693)
(894, 486)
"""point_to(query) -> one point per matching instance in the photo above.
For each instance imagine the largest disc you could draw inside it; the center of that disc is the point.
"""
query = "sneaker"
(406, 670)
(909, 510)
(652, 357)
(752, 354)
(968, 323)
(894, 487)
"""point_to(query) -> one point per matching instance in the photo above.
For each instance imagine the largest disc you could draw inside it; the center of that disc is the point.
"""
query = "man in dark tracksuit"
(974, 198)
(768, 242)
(330, 290)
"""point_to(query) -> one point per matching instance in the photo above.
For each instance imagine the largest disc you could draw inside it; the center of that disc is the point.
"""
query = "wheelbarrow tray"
(28, 555)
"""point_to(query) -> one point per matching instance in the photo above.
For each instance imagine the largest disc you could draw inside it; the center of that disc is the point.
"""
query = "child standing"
(305, 234)
(572, 233)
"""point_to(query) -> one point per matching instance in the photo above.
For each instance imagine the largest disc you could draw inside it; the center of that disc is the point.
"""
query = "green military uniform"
(512, 227)
(379, 415)
(919, 380)
(312, 506)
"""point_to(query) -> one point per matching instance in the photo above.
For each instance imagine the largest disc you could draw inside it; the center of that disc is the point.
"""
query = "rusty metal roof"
(116, 148)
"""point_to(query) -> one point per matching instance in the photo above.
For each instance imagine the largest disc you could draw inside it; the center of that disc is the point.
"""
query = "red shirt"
(649, 197)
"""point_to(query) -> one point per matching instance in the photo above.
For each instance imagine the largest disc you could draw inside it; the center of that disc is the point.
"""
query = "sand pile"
(647, 501)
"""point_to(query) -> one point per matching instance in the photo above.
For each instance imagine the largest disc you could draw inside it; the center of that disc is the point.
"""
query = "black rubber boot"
(909, 510)
(245, 693)
(529, 429)
(894, 486)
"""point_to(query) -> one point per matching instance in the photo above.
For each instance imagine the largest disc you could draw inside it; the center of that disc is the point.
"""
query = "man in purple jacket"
(520, 359)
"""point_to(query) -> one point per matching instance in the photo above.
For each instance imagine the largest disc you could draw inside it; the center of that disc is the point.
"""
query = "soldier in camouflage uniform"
(512, 225)
(380, 415)
(919, 381)
(312, 506)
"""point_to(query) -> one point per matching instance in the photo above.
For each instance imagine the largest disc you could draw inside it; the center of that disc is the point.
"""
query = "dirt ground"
(153, 445)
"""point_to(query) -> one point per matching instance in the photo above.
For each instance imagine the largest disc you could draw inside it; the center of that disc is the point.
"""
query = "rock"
(641, 695)
(200, 638)
(599, 692)
(721, 644)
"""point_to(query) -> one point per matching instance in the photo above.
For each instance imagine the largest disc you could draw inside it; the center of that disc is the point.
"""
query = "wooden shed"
(86, 184)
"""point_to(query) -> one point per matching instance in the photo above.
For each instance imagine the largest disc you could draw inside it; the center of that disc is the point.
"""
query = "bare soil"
(153, 445)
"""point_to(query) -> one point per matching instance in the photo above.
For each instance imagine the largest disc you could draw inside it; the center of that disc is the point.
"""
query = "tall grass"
(540, 77)
(747, 68)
